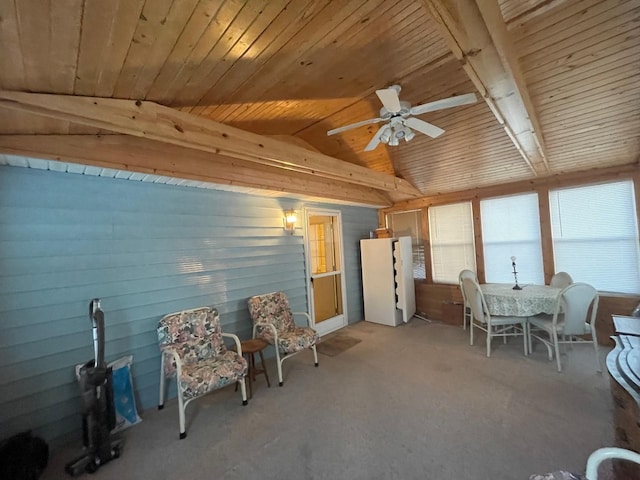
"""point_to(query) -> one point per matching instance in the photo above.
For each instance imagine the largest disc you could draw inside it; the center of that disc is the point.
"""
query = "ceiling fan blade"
(389, 98)
(423, 127)
(354, 125)
(444, 103)
(373, 143)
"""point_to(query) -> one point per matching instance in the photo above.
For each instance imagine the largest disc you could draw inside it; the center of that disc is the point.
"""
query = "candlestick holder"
(515, 274)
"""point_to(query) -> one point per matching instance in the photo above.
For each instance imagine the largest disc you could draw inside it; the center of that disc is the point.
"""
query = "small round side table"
(249, 349)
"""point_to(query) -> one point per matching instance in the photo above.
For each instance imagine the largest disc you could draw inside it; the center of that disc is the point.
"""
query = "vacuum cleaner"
(98, 410)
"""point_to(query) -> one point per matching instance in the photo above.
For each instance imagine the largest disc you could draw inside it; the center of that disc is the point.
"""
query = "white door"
(325, 270)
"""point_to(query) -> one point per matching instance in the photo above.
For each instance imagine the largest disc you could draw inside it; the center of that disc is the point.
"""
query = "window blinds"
(511, 227)
(595, 239)
(451, 236)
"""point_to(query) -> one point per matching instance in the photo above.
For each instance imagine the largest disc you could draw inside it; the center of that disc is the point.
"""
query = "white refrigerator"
(387, 280)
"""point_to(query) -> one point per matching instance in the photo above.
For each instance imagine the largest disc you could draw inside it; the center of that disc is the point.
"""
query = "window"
(451, 236)
(409, 224)
(595, 235)
(511, 227)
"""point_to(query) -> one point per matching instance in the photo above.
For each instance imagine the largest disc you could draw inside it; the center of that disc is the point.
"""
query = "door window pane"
(511, 227)
(595, 235)
(451, 237)
(324, 258)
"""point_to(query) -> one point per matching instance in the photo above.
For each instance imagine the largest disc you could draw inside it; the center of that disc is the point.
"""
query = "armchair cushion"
(558, 475)
(297, 339)
(207, 375)
(272, 308)
(193, 335)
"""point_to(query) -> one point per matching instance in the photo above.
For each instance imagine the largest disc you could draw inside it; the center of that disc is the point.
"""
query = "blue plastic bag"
(123, 396)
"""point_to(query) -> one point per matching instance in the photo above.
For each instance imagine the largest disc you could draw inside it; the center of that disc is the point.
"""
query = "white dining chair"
(569, 323)
(608, 453)
(593, 464)
(493, 325)
(466, 308)
(561, 280)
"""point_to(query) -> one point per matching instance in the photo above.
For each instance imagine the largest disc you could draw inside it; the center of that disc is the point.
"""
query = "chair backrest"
(194, 334)
(561, 280)
(465, 274)
(475, 299)
(272, 308)
(575, 301)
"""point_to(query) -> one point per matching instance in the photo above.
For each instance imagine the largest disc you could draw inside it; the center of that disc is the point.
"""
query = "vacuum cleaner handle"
(97, 323)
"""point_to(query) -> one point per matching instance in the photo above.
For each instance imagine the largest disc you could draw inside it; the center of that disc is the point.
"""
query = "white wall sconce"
(289, 220)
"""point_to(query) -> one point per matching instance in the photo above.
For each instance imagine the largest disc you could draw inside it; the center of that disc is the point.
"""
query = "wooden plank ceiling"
(297, 68)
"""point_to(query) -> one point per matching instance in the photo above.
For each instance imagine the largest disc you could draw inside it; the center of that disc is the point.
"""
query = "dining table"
(531, 300)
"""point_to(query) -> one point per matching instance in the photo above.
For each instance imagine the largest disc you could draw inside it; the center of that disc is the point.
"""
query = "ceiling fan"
(400, 120)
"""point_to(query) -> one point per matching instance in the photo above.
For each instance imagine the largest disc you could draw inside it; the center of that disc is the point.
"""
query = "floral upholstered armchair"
(273, 322)
(193, 351)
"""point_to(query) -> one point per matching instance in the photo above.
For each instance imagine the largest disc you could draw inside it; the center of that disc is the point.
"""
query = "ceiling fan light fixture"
(400, 118)
(386, 135)
(409, 134)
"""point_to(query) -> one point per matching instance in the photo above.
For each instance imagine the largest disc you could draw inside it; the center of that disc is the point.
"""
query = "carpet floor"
(411, 402)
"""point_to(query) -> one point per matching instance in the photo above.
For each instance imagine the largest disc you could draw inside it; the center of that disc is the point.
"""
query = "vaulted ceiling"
(252, 87)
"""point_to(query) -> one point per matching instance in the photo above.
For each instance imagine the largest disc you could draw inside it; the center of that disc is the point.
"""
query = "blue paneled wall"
(145, 250)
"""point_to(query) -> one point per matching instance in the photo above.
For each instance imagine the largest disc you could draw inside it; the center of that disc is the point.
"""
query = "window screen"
(409, 224)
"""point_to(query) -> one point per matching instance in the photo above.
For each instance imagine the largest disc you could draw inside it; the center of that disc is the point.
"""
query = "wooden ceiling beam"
(163, 124)
(134, 154)
(478, 38)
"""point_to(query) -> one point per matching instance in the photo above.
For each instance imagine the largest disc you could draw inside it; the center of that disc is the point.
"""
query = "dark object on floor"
(337, 344)
(23, 457)
(98, 411)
